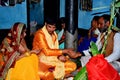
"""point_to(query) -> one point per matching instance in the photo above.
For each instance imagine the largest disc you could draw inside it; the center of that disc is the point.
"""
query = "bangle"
(27, 53)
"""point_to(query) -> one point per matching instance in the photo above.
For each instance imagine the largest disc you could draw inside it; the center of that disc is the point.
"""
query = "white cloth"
(84, 60)
(116, 65)
(96, 31)
(116, 49)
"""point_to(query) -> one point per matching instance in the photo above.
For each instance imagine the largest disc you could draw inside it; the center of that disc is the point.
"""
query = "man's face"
(50, 28)
(102, 25)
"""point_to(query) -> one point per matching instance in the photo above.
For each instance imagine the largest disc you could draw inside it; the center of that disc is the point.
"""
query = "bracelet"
(27, 53)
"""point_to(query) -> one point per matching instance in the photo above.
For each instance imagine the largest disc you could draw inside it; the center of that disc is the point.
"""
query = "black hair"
(61, 20)
(50, 20)
(106, 17)
(96, 18)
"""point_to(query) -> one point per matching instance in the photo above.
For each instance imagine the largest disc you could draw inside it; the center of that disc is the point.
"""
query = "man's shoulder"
(39, 32)
(117, 33)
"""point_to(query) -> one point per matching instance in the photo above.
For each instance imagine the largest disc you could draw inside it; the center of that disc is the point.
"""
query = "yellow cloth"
(49, 53)
(25, 69)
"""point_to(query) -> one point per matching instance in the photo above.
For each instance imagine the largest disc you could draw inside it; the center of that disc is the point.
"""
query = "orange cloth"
(46, 43)
(25, 69)
(49, 53)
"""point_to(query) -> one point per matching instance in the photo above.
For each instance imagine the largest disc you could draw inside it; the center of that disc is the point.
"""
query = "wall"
(37, 12)
(62, 8)
(99, 7)
(84, 18)
(10, 15)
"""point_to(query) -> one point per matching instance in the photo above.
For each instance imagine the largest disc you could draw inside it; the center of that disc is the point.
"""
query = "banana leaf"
(117, 4)
(93, 48)
(81, 75)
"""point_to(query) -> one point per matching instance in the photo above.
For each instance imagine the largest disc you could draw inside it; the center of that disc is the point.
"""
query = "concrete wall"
(18, 13)
(11, 14)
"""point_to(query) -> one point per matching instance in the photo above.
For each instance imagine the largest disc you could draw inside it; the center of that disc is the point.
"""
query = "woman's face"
(23, 34)
(50, 28)
(63, 25)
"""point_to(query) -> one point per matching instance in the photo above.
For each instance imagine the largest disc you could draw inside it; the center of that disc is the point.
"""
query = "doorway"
(51, 8)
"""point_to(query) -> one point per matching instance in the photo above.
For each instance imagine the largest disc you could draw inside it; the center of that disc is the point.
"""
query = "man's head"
(104, 22)
(50, 24)
(62, 22)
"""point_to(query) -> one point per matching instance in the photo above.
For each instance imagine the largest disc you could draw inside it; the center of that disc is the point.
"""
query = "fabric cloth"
(84, 48)
(60, 36)
(25, 69)
(60, 33)
(49, 53)
(84, 60)
(99, 69)
(85, 44)
(115, 55)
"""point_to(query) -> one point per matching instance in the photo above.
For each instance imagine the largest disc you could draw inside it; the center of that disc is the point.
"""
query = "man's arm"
(40, 42)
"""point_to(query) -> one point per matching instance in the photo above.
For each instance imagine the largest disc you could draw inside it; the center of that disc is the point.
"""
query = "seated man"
(111, 51)
(55, 66)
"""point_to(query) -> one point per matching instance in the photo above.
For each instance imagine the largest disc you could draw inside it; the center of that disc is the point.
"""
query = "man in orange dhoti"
(53, 64)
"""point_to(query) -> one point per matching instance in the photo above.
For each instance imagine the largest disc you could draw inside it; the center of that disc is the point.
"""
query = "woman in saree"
(17, 62)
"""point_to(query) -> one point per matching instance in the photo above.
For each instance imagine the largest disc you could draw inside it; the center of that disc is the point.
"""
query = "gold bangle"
(27, 53)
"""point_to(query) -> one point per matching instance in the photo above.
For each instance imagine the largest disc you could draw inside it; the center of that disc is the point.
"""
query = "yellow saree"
(25, 69)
